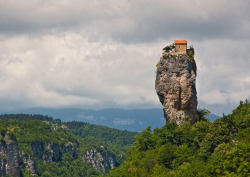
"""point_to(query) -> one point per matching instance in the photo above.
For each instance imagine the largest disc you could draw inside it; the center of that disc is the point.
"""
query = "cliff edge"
(175, 85)
(9, 159)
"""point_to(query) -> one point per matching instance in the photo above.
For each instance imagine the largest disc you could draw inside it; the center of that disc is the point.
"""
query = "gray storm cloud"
(98, 54)
(130, 21)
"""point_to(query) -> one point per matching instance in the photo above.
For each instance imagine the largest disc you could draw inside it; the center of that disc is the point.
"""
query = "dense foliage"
(33, 131)
(67, 166)
(221, 148)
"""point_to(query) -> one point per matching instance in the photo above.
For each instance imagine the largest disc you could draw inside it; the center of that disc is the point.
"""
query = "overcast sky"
(102, 54)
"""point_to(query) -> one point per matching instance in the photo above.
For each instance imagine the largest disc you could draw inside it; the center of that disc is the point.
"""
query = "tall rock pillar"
(175, 84)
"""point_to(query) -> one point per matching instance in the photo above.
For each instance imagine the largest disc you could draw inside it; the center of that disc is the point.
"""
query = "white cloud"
(223, 71)
(68, 69)
(127, 20)
(97, 54)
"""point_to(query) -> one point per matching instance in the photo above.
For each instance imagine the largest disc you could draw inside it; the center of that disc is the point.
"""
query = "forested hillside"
(104, 147)
(25, 117)
(42, 146)
(221, 148)
(103, 133)
(45, 147)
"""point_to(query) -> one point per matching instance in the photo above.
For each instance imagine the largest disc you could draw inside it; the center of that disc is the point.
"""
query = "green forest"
(35, 133)
(221, 148)
(38, 133)
(116, 142)
(120, 138)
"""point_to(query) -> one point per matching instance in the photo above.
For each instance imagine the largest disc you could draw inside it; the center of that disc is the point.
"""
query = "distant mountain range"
(123, 119)
(212, 117)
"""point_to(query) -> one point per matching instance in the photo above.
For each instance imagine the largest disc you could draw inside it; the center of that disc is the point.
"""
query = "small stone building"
(180, 46)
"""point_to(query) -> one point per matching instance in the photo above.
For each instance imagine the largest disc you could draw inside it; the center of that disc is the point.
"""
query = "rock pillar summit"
(175, 82)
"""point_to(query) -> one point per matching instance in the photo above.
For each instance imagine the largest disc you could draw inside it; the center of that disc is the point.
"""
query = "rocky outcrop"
(9, 159)
(103, 162)
(29, 162)
(28, 152)
(47, 152)
(175, 86)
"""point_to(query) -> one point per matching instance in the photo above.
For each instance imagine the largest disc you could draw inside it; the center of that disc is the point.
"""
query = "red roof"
(180, 41)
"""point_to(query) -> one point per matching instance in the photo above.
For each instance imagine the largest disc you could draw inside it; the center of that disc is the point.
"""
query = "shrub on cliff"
(169, 48)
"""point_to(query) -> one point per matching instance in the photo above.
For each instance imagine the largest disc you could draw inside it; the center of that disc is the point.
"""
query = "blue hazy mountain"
(212, 117)
(123, 119)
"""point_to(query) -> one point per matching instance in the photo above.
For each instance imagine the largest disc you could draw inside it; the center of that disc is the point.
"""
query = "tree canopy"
(221, 148)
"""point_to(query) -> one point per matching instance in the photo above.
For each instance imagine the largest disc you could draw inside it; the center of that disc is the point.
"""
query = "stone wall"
(181, 48)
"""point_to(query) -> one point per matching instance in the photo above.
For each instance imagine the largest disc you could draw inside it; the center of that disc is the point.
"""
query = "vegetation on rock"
(110, 143)
(169, 48)
(191, 55)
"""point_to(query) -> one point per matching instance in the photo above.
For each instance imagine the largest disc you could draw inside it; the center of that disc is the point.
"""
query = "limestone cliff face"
(175, 86)
(9, 159)
(47, 152)
(103, 162)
